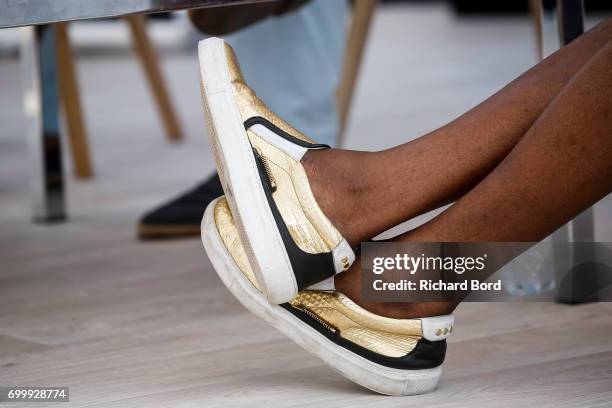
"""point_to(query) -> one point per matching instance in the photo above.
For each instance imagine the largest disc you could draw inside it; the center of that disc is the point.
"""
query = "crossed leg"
(523, 163)
(365, 193)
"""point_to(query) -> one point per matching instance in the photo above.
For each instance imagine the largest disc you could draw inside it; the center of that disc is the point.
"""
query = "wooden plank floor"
(144, 325)
(126, 324)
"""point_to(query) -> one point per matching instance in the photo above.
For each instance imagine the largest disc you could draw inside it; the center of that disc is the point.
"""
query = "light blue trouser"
(293, 63)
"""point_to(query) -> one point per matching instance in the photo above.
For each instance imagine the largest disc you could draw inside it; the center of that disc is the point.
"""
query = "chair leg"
(363, 11)
(148, 59)
(71, 102)
(535, 8)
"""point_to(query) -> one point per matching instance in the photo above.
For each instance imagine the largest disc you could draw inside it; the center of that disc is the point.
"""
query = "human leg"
(366, 193)
(561, 166)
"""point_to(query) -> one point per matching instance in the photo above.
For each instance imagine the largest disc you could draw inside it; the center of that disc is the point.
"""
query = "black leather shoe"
(181, 216)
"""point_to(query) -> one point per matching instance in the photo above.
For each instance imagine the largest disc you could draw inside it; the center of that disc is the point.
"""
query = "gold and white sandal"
(389, 356)
(289, 241)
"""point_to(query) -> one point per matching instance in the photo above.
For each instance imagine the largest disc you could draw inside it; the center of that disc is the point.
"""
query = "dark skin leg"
(364, 198)
(559, 168)
(442, 166)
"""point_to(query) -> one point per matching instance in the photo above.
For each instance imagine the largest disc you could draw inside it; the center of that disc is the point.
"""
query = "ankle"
(339, 185)
(349, 283)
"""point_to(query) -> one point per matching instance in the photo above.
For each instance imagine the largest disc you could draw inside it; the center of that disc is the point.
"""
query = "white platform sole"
(377, 378)
(240, 177)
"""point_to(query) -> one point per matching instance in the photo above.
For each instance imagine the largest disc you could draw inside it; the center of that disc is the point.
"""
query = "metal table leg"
(571, 26)
(571, 20)
(42, 112)
(570, 15)
(569, 23)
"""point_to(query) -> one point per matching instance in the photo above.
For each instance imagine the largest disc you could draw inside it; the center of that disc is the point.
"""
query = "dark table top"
(14, 13)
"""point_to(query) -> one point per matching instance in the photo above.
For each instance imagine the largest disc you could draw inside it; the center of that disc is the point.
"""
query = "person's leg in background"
(292, 58)
(562, 166)
(295, 62)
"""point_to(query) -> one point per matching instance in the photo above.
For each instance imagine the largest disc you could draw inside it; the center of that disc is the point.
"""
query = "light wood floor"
(123, 323)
